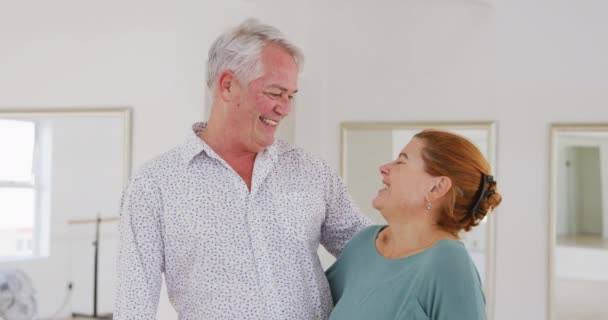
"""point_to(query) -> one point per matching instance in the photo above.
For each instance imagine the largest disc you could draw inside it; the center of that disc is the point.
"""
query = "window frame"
(44, 218)
(35, 185)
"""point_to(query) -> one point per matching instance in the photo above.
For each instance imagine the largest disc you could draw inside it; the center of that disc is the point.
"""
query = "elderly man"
(233, 216)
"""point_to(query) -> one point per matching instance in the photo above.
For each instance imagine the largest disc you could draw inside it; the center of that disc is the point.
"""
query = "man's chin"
(263, 143)
(267, 142)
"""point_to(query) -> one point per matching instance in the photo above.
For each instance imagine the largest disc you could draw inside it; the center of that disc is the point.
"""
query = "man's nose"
(283, 107)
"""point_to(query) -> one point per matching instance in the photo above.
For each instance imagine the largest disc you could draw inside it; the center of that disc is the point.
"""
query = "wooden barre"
(89, 221)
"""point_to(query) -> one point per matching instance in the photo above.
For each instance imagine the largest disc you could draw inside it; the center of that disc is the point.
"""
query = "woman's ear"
(441, 185)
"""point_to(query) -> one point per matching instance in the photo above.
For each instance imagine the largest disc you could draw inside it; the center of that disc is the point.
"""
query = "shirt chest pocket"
(300, 214)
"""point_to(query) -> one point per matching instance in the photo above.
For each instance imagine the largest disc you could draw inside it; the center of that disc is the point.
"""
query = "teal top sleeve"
(453, 289)
(440, 283)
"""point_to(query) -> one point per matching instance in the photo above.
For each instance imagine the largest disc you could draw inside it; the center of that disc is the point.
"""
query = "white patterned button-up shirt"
(228, 252)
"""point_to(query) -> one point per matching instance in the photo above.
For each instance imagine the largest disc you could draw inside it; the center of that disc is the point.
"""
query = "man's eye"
(273, 94)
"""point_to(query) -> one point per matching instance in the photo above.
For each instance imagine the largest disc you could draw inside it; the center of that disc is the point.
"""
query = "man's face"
(267, 100)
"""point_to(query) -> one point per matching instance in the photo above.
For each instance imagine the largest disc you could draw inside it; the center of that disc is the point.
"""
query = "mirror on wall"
(578, 281)
(366, 146)
(59, 170)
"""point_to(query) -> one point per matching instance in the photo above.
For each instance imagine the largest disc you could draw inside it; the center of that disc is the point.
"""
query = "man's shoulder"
(163, 163)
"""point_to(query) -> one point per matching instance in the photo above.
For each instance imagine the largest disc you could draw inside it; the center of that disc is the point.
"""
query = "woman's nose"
(385, 169)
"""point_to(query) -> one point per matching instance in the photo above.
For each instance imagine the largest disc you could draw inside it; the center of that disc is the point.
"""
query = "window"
(19, 189)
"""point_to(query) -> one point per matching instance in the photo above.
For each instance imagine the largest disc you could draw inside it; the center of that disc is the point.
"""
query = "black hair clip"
(486, 180)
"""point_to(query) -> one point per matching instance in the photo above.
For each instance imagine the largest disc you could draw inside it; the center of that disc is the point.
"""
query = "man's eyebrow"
(403, 154)
(281, 88)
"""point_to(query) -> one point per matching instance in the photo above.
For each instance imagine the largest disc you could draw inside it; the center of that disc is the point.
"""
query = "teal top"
(439, 283)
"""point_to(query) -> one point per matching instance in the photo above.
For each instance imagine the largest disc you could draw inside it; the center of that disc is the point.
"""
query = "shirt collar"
(195, 145)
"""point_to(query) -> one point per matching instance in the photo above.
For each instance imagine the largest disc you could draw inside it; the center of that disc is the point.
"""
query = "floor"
(581, 300)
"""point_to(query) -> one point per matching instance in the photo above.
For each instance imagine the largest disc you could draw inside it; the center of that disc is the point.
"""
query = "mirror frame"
(490, 127)
(555, 129)
(85, 112)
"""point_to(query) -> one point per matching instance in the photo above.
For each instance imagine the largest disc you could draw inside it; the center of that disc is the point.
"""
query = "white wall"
(524, 63)
(96, 53)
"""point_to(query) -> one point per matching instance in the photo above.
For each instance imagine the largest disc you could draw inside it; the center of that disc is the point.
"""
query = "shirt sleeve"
(343, 218)
(141, 255)
(456, 289)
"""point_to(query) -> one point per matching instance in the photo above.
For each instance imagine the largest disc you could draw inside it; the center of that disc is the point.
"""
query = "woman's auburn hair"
(453, 156)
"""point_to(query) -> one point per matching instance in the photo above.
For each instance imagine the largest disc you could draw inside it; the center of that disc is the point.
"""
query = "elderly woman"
(416, 267)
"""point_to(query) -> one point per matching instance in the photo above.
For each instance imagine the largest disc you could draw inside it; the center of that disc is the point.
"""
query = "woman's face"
(406, 183)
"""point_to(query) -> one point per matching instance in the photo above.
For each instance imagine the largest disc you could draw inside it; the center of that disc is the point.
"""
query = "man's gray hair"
(240, 50)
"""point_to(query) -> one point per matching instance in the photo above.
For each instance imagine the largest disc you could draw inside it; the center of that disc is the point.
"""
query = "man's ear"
(229, 87)
(440, 186)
